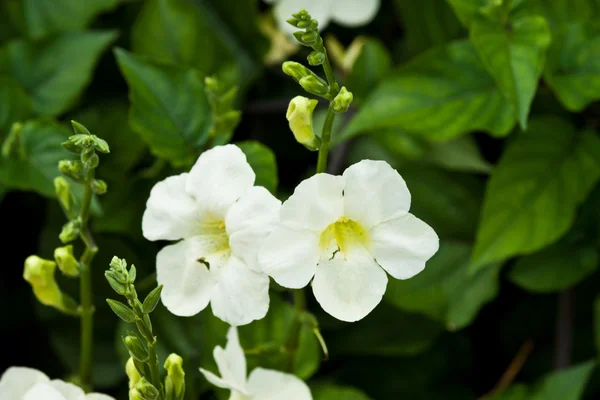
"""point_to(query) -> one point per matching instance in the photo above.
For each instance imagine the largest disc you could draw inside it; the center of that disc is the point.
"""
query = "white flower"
(350, 13)
(223, 220)
(262, 384)
(345, 231)
(20, 383)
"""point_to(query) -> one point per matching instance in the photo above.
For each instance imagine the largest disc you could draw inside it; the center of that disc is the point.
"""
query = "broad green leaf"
(43, 17)
(573, 67)
(459, 154)
(174, 31)
(449, 202)
(466, 10)
(427, 23)
(442, 94)
(15, 104)
(55, 71)
(386, 331)
(34, 164)
(514, 53)
(555, 268)
(370, 67)
(169, 109)
(534, 191)
(329, 391)
(559, 12)
(446, 290)
(568, 384)
(262, 160)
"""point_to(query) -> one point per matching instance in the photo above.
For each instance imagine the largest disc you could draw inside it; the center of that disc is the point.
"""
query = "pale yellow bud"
(66, 261)
(40, 275)
(300, 116)
(132, 373)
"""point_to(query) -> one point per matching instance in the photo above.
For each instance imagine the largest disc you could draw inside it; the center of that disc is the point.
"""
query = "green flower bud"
(118, 265)
(309, 38)
(136, 349)
(314, 85)
(70, 231)
(89, 158)
(72, 169)
(295, 70)
(67, 263)
(342, 101)
(175, 380)
(116, 282)
(63, 192)
(293, 22)
(146, 390)
(299, 115)
(40, 275)
(132, 373)
(134, 394)
(79, 128)
(101, 145)
(316, 58)
(99, 186)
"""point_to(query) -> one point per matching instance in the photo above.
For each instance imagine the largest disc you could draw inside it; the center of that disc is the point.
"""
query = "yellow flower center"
(341, 235)
(216, 241)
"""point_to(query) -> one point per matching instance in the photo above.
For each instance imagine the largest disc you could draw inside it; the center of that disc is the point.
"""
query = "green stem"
(85, 290)
(325, 141)
(154, 372)
(294, 338)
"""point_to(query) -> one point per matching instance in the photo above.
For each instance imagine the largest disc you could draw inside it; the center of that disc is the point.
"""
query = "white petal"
(98, 396)
(353, 13)
(15, 381)
(241, 295)
(220, 177)
(171, 213)
(68, 390)
(266, 384)
(249, 221)
(187, 283)
(231, 360)
(219, 382)
(349, 289)
(43, 391)
(317, 202)
(318, 9)
(403, 245)
(374, 193)
(290, 256)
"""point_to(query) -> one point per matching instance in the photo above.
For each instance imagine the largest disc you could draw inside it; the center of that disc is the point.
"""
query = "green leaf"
(534, 192)
(555, 268)
(169, 109)
(370, 67)
(573, 67)
(16, 105)
(458, 154)
(446, 290)
(466, 10)
(55, 71)
(514, 53)
(34, 164)
(515, 392)
(386, 331)
(262, 160)
(152, 299)
(329, 391)
(122, 311)
(568, 384)
(449, 202)
(43, 18)
(427, 24)
(559, 12)
(442, 94)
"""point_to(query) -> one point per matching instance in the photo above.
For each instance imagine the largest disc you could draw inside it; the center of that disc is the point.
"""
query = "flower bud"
(72, 169)
(316, 58)
(69, 232)
(89, 158)
(65, 197)
(134, 394)
(309, 38)
(146, 390)
(314, 85)
(99, 186)
(79, 128)
(66, 261)
(101, 145)
(342, 101)
(132, 373)
(116, 282)
(175, 380)
(299, 114)
(40, 275)
(136, 349)
(295, 70)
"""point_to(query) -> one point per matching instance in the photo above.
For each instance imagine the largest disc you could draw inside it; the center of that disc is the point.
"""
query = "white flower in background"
(223, 220)
(20, 383)
(349, 13)
(346, 231)
(262, 384)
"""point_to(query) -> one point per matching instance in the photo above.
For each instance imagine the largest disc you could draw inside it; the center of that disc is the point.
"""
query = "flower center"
(341, 235)
(214, 242)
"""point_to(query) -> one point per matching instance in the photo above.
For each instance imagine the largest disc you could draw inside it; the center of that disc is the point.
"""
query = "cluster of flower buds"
(226, 118)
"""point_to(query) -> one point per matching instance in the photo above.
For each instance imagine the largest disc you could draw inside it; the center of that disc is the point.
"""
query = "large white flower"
(223, 220)
(346, 231)
(20, 383)
(262, 384)
(350, 13)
